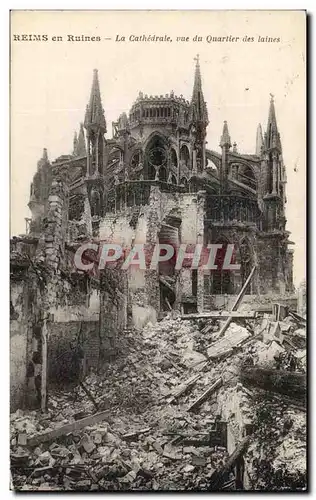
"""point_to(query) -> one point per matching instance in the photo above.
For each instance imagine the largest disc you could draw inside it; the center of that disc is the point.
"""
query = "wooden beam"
(68, 428)
(291, 384)
(297, 317)
(165, 282)
(88, 393)
(183, 389)
(218, 477)
(219, 315)
(168, 304)
(235, 306)
(217, 384)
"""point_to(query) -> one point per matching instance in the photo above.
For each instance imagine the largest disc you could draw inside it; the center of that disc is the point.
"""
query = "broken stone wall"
(141, 225)
(192, 232)
(272, 266)
(113, 310)
(63, 337)
(239, 235)
(250, 302)
(74, 319)
(19, 325)
(87, 310)
(301, 299)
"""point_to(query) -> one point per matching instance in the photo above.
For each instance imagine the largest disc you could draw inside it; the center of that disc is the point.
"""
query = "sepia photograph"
(158, 251)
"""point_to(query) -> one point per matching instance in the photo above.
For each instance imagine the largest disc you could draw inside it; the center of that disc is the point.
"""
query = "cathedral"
(155, 180)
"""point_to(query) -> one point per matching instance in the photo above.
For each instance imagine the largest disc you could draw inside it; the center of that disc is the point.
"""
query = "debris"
(88, 393)
(297, 317)
(198, 461)
(186, 386)
(135, 434)
(22, 439)
(68, 428)
(284, 382)
(157, 447)
(280, 311)
(236, 304)
(142, 442)
(217, 477)
(216, 385)
(188, 468)
(170, 452)
(219, 315)
(235, 336)
(87, 444)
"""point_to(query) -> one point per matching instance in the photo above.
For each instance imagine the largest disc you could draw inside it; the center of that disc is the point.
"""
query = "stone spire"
(259, 140)
(272, 137)
(94, 118)
(225, 139)
(81, 146)
(80, 143)
(198, 106)
(75, 143)
(43, 160)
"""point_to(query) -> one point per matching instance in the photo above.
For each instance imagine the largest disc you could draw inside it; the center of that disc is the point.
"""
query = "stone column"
(153, 227)
(194, 164)
(200, 240)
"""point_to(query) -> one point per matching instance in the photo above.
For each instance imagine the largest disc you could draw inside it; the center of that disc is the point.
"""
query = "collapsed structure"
(153, 182)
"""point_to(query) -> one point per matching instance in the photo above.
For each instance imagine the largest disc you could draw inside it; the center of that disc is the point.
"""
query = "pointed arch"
(155, 154)
(185, 156)
(221, 279)
(174, 158)
(246, 176)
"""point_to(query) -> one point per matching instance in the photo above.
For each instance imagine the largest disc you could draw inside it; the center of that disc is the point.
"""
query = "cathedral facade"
(155, 181)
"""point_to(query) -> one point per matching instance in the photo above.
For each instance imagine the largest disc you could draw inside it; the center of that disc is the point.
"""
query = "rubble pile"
(167, 398)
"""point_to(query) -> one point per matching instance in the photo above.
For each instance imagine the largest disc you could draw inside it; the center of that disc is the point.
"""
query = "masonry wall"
(126, 230)
(63, 336)
(18, 344)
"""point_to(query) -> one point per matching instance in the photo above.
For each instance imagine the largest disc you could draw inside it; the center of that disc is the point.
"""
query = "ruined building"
(154, 181)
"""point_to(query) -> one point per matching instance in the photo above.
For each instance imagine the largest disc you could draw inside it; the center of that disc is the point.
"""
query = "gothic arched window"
(95, 202)
(185, 155)
(174, 159)
(155, 156)
(246, 176)
(222, 279)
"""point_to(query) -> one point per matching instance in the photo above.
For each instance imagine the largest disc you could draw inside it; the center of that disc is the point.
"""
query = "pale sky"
(51, 81)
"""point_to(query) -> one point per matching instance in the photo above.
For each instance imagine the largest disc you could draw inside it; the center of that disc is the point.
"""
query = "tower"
(95, 126)
(273, 173)
(39, 192)
(199, 121)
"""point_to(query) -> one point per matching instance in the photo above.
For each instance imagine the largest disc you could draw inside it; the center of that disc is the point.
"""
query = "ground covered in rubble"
(153, 437)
